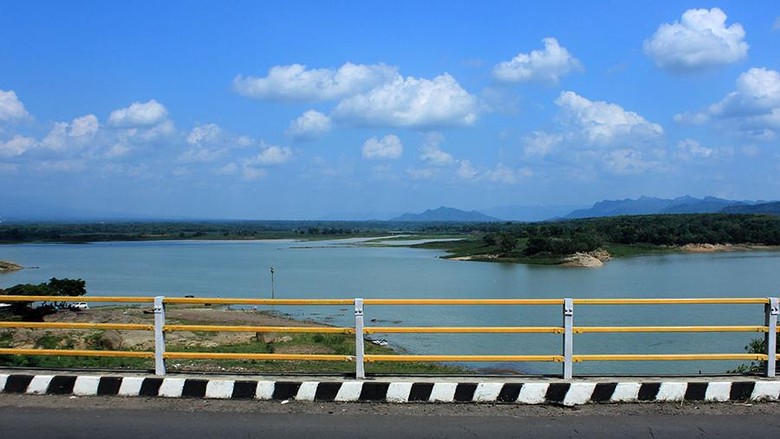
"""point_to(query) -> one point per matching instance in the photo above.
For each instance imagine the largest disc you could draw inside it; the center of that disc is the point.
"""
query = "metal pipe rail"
(567, 330)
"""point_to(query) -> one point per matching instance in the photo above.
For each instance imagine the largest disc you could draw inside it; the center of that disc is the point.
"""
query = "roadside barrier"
(567, 330)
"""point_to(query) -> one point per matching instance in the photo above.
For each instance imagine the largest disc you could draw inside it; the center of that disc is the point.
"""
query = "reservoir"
(353, 268)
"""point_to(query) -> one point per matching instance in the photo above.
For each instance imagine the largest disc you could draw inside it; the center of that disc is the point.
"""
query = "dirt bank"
(592, 259)
(9, 266)
(712, 248)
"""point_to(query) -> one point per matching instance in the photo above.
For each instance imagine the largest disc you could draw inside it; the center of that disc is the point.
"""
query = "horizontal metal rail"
(229, 301)
(92, 299)
(69, 325)
(442, 302)
(669, 357)
(464, 358)
(464, 329)
(77, 353)
(619, 329)
(290, 329)
(250, 356)
(680, 301)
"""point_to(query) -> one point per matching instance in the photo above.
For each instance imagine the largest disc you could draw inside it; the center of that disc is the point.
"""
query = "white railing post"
(771, 311)
(360, 371)
(568, 338)
(159, 336)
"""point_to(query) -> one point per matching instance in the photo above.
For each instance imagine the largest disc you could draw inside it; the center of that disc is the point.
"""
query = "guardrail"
(567, 330)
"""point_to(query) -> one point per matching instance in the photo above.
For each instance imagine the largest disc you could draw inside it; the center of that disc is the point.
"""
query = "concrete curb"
(519, 392)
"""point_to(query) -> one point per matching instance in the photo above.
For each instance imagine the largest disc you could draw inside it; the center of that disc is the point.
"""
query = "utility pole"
(273, 294)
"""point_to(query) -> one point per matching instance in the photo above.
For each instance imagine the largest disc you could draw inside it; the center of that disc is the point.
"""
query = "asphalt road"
(24, 417)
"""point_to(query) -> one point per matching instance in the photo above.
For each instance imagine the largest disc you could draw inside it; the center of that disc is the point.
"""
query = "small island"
(9, 266)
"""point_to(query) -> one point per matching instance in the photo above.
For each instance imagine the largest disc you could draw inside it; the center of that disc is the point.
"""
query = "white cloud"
(466, 171)
(629, 161)
(411, 102)
(700, 40)
(69, 165)
(540, 144)
(249, 173)
(432, 154)
(548, 65)
(205, 133)
(272, 155)
(138, 115)
(605, 124)
(76, 133)
(421, 173)
(295, 83)
(389, 147)
(309, 126)
(11, 108)
(17, 146)
(691, 149)
(752, 109)
(506, 175)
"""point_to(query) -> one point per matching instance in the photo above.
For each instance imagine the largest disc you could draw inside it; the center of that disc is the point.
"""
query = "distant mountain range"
(446, 214)
(772, 208)
(655, 206)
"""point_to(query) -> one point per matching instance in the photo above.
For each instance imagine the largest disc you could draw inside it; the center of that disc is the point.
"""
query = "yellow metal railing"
(567, 329)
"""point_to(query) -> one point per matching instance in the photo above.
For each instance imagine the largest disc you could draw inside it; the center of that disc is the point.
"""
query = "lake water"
(346, 269)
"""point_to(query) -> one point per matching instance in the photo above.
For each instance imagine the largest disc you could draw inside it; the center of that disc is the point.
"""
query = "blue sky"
(276, 110)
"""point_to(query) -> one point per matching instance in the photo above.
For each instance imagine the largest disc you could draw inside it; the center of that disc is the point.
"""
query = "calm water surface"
(345, 269)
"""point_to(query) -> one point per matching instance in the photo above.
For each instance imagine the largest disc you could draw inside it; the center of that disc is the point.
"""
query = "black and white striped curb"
(566, 393)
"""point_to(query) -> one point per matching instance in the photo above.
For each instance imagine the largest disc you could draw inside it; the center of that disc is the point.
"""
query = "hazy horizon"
(305, 110)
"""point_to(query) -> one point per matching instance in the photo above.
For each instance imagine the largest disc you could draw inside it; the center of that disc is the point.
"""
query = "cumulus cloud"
(309, 126)
(548, 65)
(700, 40)
(296, 83)
(506, 175)
(17, 146)
(432, 154)
(204, 133)
(11, 108)
(466, 171)
(411, 102)
(388, 147)
(138, 115)
(604, 124)
(753, 108)
(689, 150)
(76, 133)
(540, 144)
(272, 155)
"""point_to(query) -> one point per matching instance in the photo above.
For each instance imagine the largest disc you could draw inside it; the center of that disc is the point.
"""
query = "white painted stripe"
(398, 392)
(487, 392)
(307, 391)
(766, 390)
(265, 390)
(671, 391)
(219, 389)
(171, 387)
(131, 386)
(626, 392)
(39, 384)
(443, 392)
(718, 391)
(579, 393)
(86, 385)
(3, 380)
(349, 391)
(532, 393)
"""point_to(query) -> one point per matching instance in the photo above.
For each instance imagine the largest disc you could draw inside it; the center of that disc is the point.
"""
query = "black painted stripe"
(741, 390)
(194, 388)
(374, 391)
(109, 386)
(509, 392)
(61, 385)
(696, 391)
(556, 392)
(244, 390)
(465, 392)
(285, 389)
(150, 387)
(648, 391)
(327, 391)
(603, 392)
(17, 383)
(420, 391)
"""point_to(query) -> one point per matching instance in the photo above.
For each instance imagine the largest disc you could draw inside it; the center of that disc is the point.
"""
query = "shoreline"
(6, 266)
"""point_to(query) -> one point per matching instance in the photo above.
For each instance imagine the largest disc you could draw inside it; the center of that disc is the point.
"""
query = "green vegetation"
(756, 346)
(54, 288)
(621, 236)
